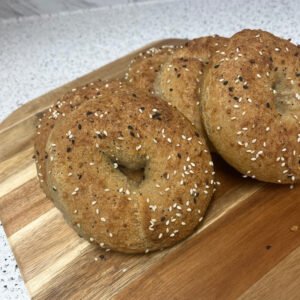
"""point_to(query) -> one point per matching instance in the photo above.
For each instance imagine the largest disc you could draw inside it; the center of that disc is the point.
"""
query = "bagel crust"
(178, 83)
(251, 106)
(143, 69)
(128, 128)
(202, 48)
(55, 114)
(180, 79)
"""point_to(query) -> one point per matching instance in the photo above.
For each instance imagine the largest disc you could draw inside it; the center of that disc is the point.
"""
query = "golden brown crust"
(143, 69)
(202, 48)
(178, 83)
(175, 74)
(135, 130)
(180, 79)
(251, 106)
(69, 102)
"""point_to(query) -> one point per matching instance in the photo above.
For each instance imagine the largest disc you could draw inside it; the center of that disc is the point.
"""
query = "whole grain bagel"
(251, 106)
(132, 129)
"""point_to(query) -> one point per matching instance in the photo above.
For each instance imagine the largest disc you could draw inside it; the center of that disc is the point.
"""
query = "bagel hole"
(134, 175)
(285, 96)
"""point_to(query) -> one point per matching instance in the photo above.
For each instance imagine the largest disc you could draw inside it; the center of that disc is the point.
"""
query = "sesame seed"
(75, 191)
(153, 207)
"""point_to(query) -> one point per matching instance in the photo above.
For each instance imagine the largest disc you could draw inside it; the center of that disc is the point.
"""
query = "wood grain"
(231, 255)
(244, 249)
(282, 280)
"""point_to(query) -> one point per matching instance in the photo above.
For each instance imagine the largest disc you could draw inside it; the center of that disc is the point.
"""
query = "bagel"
(251, 106)
(135, 130)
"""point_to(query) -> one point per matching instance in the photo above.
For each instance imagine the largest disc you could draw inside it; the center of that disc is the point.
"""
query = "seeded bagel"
(129, 129)
(251, 106)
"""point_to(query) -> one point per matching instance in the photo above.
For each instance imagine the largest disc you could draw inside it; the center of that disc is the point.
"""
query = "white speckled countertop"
(40, 53)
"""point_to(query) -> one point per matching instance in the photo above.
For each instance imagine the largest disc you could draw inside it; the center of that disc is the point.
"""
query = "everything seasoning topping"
(156, 116)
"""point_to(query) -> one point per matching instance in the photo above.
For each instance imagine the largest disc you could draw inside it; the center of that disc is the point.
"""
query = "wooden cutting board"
(248, 246)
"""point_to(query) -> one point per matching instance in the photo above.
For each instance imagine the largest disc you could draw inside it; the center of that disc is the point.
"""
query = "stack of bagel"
(128, 162)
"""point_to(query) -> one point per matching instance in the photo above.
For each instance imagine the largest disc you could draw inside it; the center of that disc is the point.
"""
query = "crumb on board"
(294, 228)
